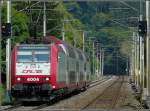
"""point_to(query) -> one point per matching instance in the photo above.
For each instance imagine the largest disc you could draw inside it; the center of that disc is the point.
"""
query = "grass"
(1, 94)
(93, 77)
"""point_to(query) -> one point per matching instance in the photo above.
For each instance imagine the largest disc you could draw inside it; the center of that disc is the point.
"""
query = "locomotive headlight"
(47, 79)
(53, 87)
(18, 79)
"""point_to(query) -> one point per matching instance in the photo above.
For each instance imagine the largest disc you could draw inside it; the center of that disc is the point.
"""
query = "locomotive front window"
(41, 56)
(24, 56)
(33, 55)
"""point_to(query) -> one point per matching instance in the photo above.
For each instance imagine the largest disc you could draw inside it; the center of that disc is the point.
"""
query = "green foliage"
(126, 48)
(1, 94)
(117, 34)
(100, 20)
(72, 27)
(110, 27)
(93, 77)
(20, 28)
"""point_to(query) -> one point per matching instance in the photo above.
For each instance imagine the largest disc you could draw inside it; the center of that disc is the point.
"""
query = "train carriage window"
(85, 67)
(61, 48)
(71, 52)
(80, 55)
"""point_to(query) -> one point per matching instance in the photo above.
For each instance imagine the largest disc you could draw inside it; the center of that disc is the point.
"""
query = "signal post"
(8, 50)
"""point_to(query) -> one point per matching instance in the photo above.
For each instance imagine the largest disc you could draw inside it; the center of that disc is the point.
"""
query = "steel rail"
(87, 105)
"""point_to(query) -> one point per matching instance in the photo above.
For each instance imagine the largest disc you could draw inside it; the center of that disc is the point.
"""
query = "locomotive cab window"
(33, 54)
(24, 56)
(41, 56)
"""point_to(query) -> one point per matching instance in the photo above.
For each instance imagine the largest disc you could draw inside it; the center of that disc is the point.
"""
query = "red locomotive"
(44, 71)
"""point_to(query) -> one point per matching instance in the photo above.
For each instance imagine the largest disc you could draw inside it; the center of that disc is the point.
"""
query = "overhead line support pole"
(8, 51)
(135, 57)
(137, 60)
(93, 58)
(103, 62)
(0, 53)
(44, 20)
(0, 43)
(83, 39)
(100, 58)
(148, 49)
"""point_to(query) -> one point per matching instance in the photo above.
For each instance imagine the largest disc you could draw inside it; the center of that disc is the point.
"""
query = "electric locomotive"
(40, 72)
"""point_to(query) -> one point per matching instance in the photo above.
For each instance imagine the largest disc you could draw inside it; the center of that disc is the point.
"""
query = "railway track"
(93, 84)
(19, 107)
(97, 82)
(107, 100)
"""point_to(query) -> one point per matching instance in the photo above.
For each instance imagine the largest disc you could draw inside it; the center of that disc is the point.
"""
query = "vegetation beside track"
(1, 94)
